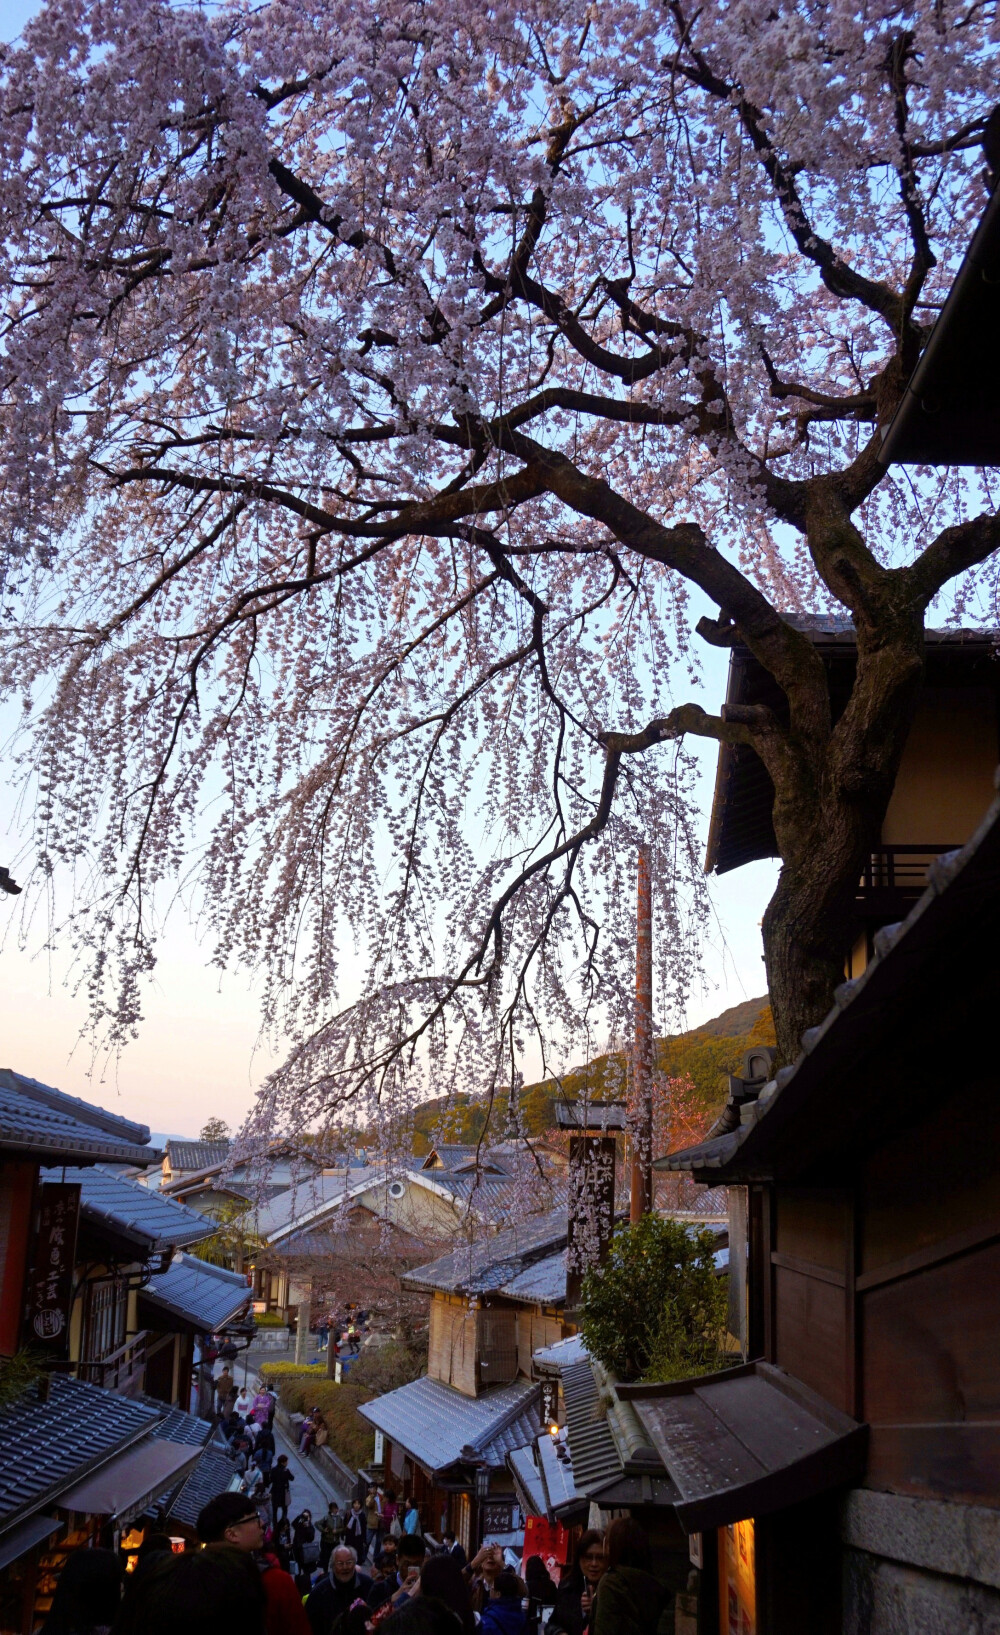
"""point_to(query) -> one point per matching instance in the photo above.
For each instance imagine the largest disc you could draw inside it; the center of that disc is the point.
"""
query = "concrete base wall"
(919, 1567)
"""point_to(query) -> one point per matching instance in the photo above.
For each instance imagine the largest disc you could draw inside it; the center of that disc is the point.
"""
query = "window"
(105, 1317)
(497, 1346)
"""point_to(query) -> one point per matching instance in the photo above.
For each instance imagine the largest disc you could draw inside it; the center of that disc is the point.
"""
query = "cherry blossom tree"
(385, 390)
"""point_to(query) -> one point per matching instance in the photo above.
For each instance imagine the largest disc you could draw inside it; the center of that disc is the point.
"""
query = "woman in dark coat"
(629, 1600)
(574, 1606)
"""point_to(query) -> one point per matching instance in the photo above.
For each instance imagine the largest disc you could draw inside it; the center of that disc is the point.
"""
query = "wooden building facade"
(869, 1176)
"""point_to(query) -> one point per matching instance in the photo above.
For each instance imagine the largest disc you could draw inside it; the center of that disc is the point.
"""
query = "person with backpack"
(331, 1532)
(305, 1544)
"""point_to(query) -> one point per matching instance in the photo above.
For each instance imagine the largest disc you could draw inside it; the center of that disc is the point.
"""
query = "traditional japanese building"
(847, 1479)
(95, 1435)
(445, 1438)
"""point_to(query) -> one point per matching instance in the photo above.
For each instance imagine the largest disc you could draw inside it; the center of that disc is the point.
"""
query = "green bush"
(301, 1387)
(656, 1309)
(270, 1319)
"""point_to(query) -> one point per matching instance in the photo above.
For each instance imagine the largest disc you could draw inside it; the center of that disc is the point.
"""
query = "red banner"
(548, 1539)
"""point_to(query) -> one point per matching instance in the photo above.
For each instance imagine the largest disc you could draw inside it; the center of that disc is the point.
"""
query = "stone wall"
(919, 1567)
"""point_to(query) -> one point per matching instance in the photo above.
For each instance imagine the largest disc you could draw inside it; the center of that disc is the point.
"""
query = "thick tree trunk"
(807, 932)
(826, 836)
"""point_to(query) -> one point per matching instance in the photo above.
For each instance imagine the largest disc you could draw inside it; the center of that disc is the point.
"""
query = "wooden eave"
(746, 1442)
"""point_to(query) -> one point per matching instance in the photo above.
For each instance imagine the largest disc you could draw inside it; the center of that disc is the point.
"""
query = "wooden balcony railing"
(122, 1370)
(897, 875)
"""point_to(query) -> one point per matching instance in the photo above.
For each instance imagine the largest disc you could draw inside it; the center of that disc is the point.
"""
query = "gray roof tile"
(487, 1265)
(196, 1155)
(519, 1433)
(36, 1119)
(133, 1211)
(204, 1295)
(212, 1474)
(542, 1283)
(46, 1447)
(177, 1426)
(596, 1461)
(552, 1358)
(438, 1426)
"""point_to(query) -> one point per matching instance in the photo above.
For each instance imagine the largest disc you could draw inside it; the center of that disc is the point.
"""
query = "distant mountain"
(737, 1020)
(707, 1054)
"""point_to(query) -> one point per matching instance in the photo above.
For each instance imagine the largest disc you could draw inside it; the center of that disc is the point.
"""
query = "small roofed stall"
(77, 1465)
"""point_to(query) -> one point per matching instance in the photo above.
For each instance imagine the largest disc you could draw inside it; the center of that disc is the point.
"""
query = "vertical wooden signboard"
(49, 1285)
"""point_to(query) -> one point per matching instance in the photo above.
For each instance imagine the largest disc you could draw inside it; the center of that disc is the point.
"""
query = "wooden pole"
(641, 1192)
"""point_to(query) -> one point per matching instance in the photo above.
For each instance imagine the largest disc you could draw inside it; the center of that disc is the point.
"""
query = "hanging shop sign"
(49, 1286)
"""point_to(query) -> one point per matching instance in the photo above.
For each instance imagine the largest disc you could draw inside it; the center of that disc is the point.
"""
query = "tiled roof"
(212, 1474)
(523, 1466)
(559, 1355)
(542, 1283)
(556, 1467)
(45, 1447)
(134, 1212)
(544, 1472)
(492, 1197)
(36, 1119)
(596, 1461)
(186, 1155)
(450, 1154)
(311, 1197)
(208, 1297)
(517, 1434)
(438, 1426)
(487, 1265)
(177, 1426)
(614, 1461)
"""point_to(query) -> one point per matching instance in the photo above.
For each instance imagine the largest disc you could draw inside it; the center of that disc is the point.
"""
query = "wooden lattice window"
(497, 1345)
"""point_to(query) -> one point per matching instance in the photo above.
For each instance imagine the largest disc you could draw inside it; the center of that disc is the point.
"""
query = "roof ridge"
(46, 1095)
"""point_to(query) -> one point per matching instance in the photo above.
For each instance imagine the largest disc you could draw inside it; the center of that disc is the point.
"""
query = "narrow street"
(312, 1488)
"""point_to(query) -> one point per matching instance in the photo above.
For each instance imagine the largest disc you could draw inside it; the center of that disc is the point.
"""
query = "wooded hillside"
(705, 1054)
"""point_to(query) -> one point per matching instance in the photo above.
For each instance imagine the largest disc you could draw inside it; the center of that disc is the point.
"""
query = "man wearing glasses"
(232, 1519)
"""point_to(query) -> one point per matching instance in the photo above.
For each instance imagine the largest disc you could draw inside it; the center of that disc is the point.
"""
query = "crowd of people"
(242, 1578)
(361, 1568)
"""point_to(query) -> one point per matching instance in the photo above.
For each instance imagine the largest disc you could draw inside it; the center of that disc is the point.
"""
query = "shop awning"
(126, 1486)
(746, 1442)
(21, 1539)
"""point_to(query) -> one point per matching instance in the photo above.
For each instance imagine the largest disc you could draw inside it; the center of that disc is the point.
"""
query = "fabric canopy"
(124, 1487)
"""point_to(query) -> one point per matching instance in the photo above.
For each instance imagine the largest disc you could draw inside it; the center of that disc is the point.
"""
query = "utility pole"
(641, 1192)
